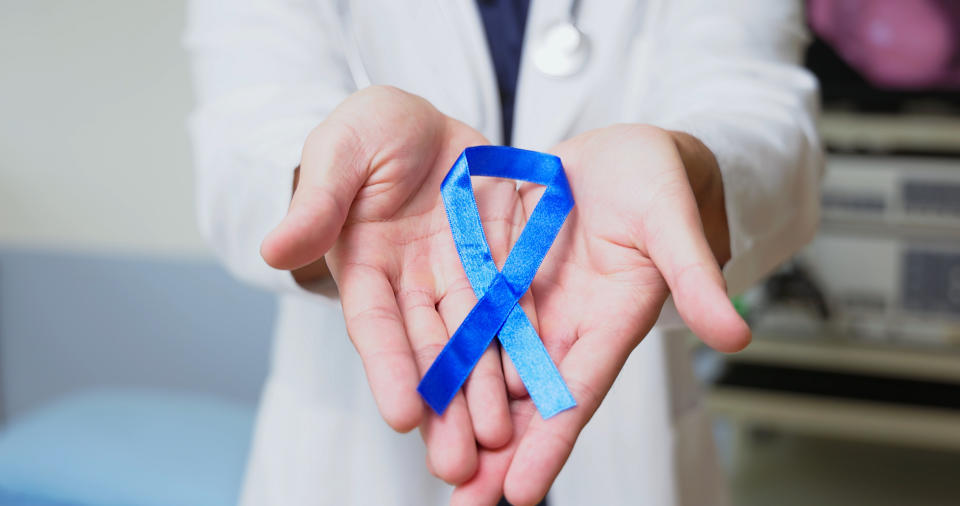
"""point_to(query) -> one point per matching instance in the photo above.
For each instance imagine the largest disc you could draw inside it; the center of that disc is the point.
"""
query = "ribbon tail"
(534, 365)
(464, 349)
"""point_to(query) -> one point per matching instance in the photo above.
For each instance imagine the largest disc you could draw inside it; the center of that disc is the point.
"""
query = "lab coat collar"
(465, 15)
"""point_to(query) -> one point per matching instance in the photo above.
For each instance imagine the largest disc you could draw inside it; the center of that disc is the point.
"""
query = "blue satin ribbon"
(499, 291)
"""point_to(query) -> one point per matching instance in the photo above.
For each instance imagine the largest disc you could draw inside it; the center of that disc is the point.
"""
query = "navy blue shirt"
(504, 22)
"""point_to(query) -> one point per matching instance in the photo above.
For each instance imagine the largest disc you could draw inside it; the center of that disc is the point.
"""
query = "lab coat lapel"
(464, 16)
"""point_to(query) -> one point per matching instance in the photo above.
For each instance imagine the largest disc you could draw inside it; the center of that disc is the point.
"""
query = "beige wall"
(93, 149)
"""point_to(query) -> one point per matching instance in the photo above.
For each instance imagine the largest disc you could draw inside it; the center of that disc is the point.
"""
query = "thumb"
(332, 170)
(676, 243)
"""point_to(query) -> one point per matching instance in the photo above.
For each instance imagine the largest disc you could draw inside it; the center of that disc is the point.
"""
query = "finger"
(484, 389)
(450, 440)
(375, 327)
(675, 241)
(486, 486)
(332, 170)
(451, 447)
(589, 370)
(486, 395)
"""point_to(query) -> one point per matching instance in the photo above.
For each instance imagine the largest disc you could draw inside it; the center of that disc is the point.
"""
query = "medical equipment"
(887, 256)
(562, 49)
(889, 74)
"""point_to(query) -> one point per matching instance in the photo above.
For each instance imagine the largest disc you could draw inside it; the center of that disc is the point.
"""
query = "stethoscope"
(562, 49)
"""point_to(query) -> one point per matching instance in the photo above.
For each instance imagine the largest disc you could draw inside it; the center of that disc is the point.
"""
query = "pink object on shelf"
(893, 43)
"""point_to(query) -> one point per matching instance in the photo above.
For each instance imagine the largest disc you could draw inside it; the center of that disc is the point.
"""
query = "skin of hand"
(649, 221)
(367, 201)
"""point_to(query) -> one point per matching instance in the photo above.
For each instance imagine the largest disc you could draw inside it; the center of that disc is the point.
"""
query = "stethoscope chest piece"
(562, 50)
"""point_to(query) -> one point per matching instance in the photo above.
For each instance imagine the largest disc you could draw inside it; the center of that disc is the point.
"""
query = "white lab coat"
(268, 71)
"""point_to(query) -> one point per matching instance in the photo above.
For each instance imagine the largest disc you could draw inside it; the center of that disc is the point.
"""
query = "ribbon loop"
(497, 312)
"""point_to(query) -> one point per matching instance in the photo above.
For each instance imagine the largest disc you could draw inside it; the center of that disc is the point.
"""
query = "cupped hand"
(368, 202)
(634, 236)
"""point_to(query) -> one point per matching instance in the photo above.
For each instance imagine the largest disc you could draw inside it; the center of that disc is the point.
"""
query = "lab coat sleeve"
(728, 72)
(266, 73)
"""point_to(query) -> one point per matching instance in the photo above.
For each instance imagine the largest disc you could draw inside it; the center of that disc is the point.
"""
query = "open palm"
(633, 238)
(369, 200)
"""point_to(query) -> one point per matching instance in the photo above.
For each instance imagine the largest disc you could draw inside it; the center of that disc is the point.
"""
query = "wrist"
(706, 181)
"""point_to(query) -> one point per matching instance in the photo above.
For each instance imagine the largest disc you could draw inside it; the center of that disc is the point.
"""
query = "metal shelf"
(850, 419)
(846, 355)
(916, 132)
(905, 227)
